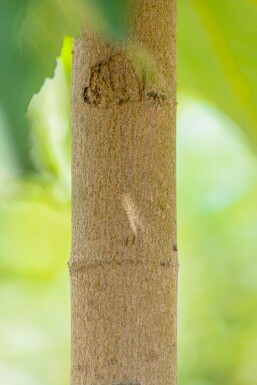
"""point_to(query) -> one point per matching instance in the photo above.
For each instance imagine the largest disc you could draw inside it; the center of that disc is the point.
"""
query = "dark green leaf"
(32, 34)
(11, 80)
(110, 14)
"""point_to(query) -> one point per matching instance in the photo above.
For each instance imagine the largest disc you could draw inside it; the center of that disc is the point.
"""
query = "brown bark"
(123, 265)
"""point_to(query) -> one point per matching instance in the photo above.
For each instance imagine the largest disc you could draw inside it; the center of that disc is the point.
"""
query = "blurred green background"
(217, 200)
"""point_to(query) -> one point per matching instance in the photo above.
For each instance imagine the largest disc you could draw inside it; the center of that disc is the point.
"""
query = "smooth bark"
(123, 264)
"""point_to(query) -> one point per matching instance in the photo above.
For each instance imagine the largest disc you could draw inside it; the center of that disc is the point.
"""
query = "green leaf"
(32, 33)
(31, 38)
(217, 56)
(109, 15)
(11, 81)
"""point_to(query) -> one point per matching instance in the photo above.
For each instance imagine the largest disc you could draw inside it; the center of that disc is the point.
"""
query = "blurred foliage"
(12, 85)
(217, 189)
(31, 36)
(217, 227)
(35, 243)
(108, 16)
(217, 56)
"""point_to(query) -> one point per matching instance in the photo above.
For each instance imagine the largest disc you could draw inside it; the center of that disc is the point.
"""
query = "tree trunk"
(123, 263)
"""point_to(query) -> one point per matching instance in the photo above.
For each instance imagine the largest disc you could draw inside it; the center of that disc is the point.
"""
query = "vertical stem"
(123, 265)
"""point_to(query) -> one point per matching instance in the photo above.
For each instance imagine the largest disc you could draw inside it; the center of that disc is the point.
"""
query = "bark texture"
(123, 264)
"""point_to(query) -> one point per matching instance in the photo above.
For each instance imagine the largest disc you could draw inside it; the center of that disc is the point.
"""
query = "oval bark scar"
(115, 81)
